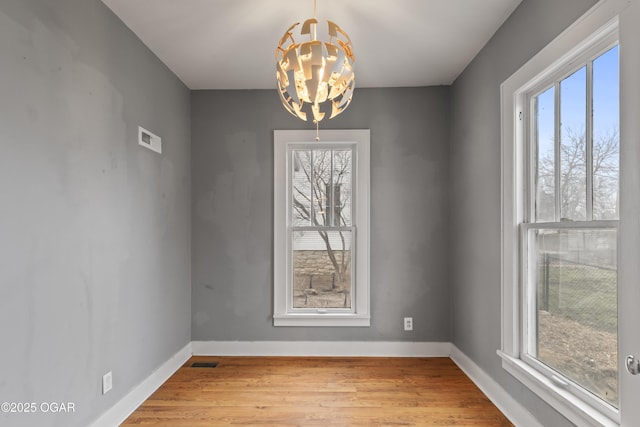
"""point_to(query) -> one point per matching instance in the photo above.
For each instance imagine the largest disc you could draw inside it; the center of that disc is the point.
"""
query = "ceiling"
(230, 44)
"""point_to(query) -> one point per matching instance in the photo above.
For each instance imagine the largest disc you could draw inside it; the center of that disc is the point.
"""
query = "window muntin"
(569, 238)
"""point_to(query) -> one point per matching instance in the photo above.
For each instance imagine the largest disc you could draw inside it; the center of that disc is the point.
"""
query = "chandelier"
(315, 77)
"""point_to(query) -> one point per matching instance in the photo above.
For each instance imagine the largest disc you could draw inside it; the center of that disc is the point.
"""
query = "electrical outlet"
(107, 382)
(408, 323)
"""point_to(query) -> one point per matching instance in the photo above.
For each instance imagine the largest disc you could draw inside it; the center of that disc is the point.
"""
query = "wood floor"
(318, 391)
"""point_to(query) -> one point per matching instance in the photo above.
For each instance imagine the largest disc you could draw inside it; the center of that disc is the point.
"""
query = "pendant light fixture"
(315, 77)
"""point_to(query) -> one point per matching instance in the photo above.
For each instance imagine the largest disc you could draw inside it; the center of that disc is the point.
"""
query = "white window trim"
(283, 315)
(595, 25)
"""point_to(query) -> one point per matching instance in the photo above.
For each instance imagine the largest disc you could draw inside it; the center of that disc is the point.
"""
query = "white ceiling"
(230, 44)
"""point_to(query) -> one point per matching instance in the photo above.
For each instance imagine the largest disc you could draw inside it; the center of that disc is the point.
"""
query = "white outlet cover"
(107, 382)
(408, 323)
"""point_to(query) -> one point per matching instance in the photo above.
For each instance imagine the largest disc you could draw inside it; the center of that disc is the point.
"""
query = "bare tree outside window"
(573, 169)
(322, 235)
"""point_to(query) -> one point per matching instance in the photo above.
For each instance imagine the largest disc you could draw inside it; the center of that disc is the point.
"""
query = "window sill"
(574, 409)
(321, 320)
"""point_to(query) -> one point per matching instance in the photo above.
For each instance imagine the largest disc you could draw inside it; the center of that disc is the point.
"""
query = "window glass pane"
(320, 185)
(545, 136)
(573, 161)
(322, 269)
(342, 189)
(576, 322)
(606, 141)
(301, 188)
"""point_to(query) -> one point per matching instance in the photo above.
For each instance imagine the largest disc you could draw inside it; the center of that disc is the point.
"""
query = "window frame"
(284, 314)
(592, 32)
(529, 223)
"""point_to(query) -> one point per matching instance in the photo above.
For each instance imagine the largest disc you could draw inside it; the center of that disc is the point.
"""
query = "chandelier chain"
(315, 16)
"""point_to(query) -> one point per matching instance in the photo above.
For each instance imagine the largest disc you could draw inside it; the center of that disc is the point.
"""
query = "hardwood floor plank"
(303, 391)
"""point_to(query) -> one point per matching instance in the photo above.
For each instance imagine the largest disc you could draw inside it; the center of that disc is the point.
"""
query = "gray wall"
(94, 230)
(475, 185)
(232, 197)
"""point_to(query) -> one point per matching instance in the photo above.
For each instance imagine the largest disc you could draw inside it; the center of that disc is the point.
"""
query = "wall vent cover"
(149, 140)
(204, 364)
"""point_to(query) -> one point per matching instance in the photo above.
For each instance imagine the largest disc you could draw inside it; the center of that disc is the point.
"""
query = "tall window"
(560, 281)
(321, 215)
(569, 239)
(321, 227)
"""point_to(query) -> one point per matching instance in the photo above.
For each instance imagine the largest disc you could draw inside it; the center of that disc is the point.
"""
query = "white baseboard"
(132, 400)
(321, 348)
(514, 411)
